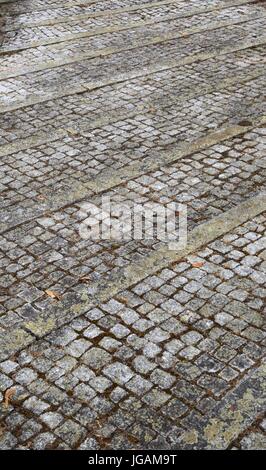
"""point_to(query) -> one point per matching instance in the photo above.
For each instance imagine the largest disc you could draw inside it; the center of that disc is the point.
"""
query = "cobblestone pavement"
(139, 346)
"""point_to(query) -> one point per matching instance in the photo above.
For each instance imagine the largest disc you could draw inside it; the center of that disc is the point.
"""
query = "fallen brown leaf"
(72, 131)
(8, 395)
(123, 300)
(36, 353)
(198, 264)
(85, 279)
(53, 294)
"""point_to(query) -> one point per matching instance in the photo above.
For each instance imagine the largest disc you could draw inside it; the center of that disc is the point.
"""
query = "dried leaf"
(71, 131)
(85, 279)
(53, 294)
(41, 197)
(36, 353)
(198, 264)
(123, 300)
(8, 395)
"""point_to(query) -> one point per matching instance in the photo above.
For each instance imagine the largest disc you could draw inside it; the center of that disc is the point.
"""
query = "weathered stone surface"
(110, 344)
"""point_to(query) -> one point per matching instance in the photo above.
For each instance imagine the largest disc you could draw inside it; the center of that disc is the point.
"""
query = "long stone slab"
(84, 16)
(232, 416)
(83, 127)
(74, 305)
(108, 180)
(15, 340)
(74, 3)
(157, 40)
(121, 77)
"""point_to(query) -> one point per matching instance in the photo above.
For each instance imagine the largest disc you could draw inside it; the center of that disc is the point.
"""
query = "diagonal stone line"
(82, 128)
(107, 180)
(158, 259)
(122, 77)
(39, 139)
(232, 416)
(73, 3)
(146, 70)
(156, 40)
(31, 142)
(74, 305)
(83, 16)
